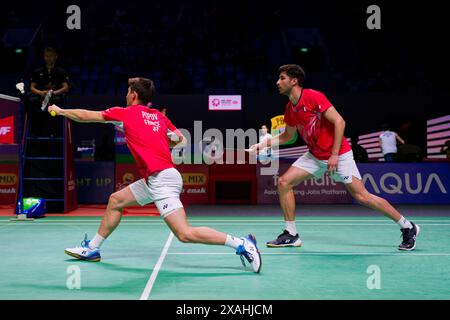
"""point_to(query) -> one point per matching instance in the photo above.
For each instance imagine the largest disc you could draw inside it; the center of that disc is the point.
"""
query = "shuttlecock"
(20, 86)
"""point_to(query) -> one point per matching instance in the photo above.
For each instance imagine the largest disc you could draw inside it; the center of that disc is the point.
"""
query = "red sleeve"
(114, 114)
(288, 118)
(321, 102)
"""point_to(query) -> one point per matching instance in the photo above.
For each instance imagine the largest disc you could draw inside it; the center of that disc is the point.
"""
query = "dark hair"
(385, 126)
(143, 87)
(50, 49)
(294, 71)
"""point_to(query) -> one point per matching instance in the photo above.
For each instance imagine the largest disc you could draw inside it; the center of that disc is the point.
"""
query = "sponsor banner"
(278, 126)
(9, 109)
(195, 183)
(9, 183)
(424, 183)
(224, 103)
(7, 130)
(322, 190)
(94, 181)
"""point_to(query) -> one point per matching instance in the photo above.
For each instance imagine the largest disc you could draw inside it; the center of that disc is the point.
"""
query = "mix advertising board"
(9, 148)
(9, 183)
(402, 183)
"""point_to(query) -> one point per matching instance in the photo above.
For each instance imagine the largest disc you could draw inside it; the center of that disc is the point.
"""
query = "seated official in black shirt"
(48, 77)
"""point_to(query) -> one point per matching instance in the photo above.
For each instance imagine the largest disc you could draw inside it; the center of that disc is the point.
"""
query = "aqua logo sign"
(424, 183)
(393, 183)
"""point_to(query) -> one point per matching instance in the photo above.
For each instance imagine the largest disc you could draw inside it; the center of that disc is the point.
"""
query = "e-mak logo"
(404, 183)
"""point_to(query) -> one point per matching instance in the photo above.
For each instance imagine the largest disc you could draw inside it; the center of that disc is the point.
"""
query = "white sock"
(96, 242)
(233, 242)
(404, 223)
(290, 227)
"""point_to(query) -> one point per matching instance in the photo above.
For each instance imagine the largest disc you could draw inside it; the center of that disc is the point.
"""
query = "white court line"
(231, 224)
(299, 220)
(399, 254)
(148, 288)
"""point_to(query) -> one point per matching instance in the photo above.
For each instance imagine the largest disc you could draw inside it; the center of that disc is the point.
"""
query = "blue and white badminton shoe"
(249, 251)
(84, 252)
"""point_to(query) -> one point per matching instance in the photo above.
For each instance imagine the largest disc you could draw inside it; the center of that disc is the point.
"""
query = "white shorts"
(346, 168)
(162, 188)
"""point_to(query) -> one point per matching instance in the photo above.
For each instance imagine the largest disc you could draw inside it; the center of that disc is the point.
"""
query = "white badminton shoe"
(249, 251)
(84, 252)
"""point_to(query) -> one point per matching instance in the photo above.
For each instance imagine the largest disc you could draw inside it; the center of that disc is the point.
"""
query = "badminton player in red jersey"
(322, 128)
(149, 133)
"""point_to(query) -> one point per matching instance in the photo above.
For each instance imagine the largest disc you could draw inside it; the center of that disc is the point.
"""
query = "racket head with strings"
(46, 100)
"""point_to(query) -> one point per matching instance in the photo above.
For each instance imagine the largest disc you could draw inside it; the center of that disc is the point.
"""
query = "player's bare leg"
(90, 249)
(286, 184)
(245, 246)
(117, 201)
(360, 193)
(409, 230)
(179, 225)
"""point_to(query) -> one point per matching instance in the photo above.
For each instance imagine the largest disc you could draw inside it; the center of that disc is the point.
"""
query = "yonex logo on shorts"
(165, 206)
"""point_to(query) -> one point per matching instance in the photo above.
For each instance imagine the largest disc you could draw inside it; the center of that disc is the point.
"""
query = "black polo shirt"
(49, 80)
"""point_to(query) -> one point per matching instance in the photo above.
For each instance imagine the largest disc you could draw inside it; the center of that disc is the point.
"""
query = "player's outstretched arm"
(78, 115)
(280, 139)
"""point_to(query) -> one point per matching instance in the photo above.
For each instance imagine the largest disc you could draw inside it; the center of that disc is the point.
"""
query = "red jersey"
(146, 132)
(313, 127)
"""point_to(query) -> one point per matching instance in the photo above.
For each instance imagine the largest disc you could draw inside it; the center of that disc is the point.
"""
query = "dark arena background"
(215, 67)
